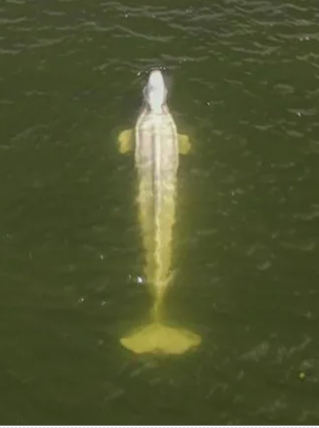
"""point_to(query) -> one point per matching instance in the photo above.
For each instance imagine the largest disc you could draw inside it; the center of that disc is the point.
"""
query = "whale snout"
(155, 91)
(156, 79)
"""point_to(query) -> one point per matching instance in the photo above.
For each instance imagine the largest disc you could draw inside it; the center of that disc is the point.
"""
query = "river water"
(243, 79)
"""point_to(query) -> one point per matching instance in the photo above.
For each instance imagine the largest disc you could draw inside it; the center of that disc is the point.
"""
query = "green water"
(243, 79)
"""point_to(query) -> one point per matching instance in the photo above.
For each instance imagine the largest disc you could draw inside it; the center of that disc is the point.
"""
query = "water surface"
(244, 83)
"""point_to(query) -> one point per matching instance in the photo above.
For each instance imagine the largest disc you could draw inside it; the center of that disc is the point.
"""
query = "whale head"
(155, 91)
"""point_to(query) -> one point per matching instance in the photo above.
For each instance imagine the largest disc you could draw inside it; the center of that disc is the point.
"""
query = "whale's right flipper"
(184, 145)
(126, 141)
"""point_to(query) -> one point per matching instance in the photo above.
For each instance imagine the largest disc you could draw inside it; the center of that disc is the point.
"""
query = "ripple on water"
(246, 81)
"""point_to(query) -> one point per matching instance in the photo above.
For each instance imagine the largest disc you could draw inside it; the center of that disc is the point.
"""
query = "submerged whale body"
(157, 145)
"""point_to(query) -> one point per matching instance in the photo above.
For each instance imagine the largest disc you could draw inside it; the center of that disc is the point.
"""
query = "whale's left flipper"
(126, 141)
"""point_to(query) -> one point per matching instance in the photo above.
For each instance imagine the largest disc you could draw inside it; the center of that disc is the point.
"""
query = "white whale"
(157, 145)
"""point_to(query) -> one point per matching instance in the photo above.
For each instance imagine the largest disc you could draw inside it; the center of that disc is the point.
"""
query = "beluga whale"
(157, 146)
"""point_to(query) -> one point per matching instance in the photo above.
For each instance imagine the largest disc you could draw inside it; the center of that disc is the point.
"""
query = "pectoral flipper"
(126, 141)
(184, 145)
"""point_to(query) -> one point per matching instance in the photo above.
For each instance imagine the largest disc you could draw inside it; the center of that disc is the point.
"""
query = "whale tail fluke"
(157, 338)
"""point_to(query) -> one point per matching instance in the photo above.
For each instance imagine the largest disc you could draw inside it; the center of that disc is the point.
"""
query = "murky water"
(244, 84)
